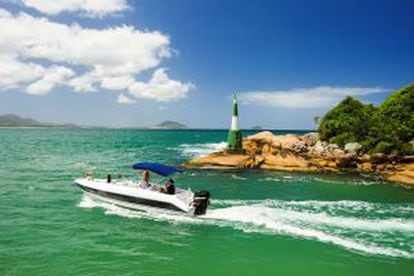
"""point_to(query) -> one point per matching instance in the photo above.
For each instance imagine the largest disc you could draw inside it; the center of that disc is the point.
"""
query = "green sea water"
(259, 223)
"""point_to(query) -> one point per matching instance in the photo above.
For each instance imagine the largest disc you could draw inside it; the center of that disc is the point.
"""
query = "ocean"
(258, 223)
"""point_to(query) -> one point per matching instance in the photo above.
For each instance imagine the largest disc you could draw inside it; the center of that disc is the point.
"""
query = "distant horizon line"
(154, 127)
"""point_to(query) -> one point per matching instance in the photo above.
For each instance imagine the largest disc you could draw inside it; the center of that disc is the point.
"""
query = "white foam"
(145, 212)
(233, 202)
(234, 176)
(87, 202)
(199, 150)
(349, 206)
(265, 219)
(323, 219)
(301, 219)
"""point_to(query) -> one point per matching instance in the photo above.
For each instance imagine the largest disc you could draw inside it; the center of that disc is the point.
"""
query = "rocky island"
(307, 153)
(351, 137)
(170, 125)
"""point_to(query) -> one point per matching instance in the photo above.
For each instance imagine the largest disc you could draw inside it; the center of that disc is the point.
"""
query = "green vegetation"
(388, 128)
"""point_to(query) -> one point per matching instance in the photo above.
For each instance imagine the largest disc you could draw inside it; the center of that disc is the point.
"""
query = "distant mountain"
(257, 127)
(11, 120)
(170, 125)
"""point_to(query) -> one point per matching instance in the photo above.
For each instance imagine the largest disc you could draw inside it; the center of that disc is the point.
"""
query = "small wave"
(199, 150)
(300, 219)
(361, 182)
(234, 176)
(282, 179)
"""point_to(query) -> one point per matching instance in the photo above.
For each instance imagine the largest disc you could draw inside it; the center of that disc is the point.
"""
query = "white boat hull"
(127, 193)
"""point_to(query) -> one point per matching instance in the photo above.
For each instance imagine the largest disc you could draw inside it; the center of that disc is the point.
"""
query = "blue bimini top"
(160, 169)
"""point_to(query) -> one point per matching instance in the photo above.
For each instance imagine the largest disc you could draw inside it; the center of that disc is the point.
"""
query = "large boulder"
(285, 162)
(249, 146)
(365, 158)
(332, 147)
(318, 148)
(219, 160)
(365, 166)
(333, 151)
(404, 173)
(259, 143)
(286, 141)
(299, 147)
(311, 138)
(336, 154)
(349, 160)
(353, 147)
(266, 149)
(263, 136)
(254, 162)
(324, 164)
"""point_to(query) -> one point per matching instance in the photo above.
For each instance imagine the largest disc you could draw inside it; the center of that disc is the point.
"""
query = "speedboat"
(128, 193)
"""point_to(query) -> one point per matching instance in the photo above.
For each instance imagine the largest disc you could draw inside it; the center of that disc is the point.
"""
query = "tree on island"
(388, 128)
(396, 120)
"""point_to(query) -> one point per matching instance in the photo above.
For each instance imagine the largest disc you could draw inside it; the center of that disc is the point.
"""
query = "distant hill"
(11, 120)
(257, 128)
(170, 125)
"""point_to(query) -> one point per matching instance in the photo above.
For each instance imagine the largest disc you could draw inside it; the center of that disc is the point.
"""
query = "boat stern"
(200, 202)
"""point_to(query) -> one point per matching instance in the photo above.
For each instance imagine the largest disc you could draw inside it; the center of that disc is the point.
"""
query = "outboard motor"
(200, 202)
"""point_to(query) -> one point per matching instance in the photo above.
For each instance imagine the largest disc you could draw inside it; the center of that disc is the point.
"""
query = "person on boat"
(169, 187)
(144, 183)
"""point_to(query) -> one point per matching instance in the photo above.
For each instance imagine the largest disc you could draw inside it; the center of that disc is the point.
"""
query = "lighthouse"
(234, 139)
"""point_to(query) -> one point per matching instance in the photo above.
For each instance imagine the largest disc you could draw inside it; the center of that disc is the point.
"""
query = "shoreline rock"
(306, 153)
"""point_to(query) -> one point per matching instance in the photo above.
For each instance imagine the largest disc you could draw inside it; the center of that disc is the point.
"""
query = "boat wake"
(367, 228)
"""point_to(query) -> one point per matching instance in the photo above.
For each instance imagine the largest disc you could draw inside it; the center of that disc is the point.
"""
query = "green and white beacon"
(234, 139)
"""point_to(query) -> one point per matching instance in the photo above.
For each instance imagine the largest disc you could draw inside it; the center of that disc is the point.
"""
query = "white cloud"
(53, 76)
(14, 73)
(37, 54)
(117, 83)
(106, 52)
(84, 83)
(161, 88)
(4, 13)
(90, 8)
(124, 99)
(314, 97)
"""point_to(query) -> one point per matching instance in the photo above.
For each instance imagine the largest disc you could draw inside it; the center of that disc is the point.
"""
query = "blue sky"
(74, 61)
